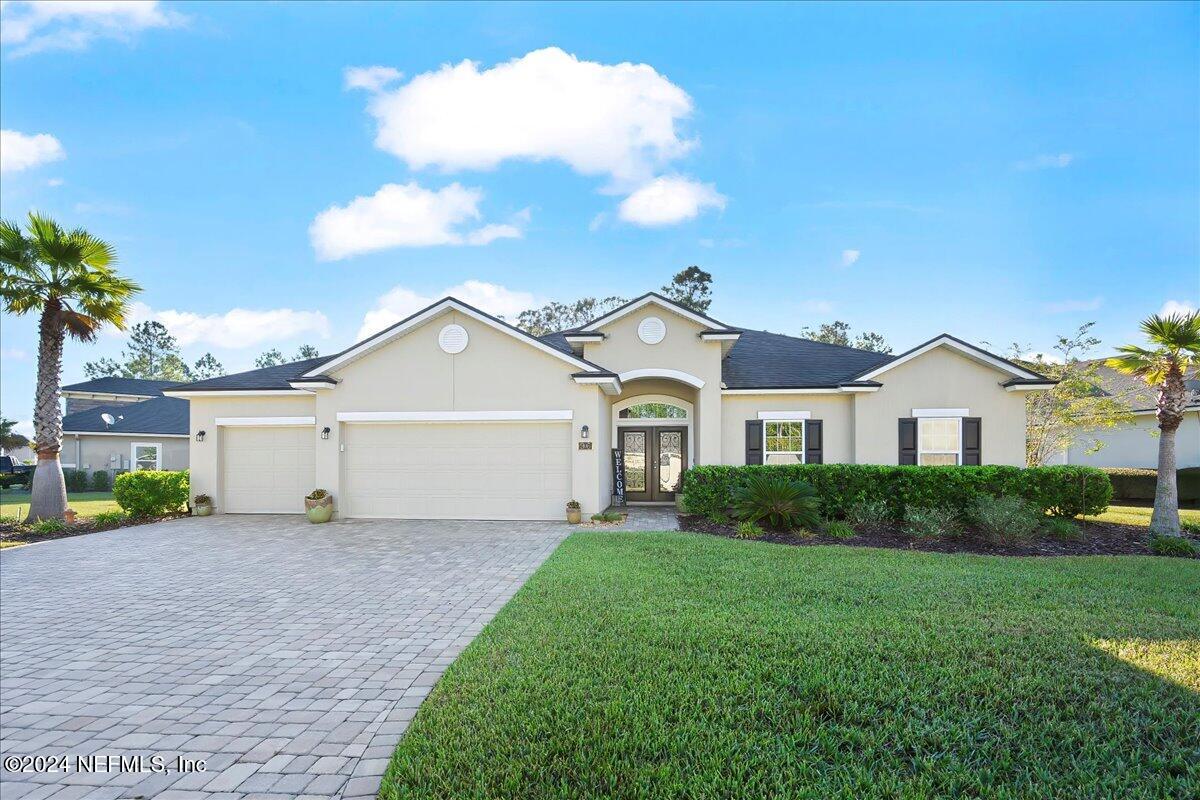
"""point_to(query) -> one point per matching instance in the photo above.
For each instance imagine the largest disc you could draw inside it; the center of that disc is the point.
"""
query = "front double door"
(654, 462)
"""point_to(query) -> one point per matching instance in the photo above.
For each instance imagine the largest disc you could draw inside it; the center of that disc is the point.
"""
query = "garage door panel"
(457, 471)
(267, 469)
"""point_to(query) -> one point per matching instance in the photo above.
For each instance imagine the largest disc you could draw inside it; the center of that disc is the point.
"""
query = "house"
(452, 413)
(1135, 444)
(119, 424)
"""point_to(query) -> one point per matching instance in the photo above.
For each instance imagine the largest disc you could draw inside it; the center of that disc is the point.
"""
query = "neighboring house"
(148, 430)
(21, 455)
(1135, 444)
(452, 413)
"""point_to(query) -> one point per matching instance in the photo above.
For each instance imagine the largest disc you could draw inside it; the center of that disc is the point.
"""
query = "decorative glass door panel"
(670, 461)
(637, 481)
(655, 459)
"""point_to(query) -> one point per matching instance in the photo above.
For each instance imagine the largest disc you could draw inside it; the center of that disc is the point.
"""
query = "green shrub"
(49, 525)
(1190, 526)
(101, 482)
(1007, 520)
(931, 523)
(109, 518)
(785, 504)
(748, 530)
(869, 514)
(1064, 491)
(1061, 528)
(1140, 484)
(1173, 546)
(151, 493)
(839, 530)
(607, 516)
(76, 480)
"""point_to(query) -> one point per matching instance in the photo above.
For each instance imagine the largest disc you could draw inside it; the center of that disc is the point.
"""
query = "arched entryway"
(655, 434)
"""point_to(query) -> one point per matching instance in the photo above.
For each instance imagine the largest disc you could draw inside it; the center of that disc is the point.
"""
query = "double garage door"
(477, 470)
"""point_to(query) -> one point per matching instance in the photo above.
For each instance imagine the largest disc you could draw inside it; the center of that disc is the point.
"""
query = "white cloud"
(73, 24)
(24, 427)
(402, 302)
(850, 257)
(54, 182)
(619, 120)
(1068, 306)
(235, 329)
(598, 221)
(13, 353)
(1047, 161)
(1177, 308)
(668, 200)
(406, 216)
(20, 151)
(818, 306)
(1038, 355)
(370, 78)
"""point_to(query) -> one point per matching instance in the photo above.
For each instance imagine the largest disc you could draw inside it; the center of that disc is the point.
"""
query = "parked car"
(14, 474)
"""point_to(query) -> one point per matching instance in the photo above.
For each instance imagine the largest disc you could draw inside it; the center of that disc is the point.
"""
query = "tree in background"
(1074, 411)
(691, 288)
(1174, 349)
(9, 438)
(838, 332)
(555, 316)
(67, 277)
(151, 354)
(274, 358)
(306, 352)
(207, 366)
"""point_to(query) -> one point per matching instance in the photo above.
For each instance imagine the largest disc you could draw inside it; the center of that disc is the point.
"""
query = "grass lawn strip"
(680, 665)
(86, 504)
(1139, 515)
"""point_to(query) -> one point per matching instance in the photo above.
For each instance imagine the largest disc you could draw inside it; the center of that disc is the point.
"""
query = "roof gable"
(970, 351)
(655, 299)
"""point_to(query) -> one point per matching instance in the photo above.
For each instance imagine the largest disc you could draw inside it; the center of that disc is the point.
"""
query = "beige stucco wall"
(681, 350)
(1136, 445)
(113, 452)
(940, 378)
(836, 412)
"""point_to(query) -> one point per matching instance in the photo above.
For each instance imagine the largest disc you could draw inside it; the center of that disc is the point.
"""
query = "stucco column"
(328, 451)
(708, 423)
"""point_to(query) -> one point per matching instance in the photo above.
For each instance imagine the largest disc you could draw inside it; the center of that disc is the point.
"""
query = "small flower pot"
(69, 516)
(319, 510)
(202, 510)
(574, 515)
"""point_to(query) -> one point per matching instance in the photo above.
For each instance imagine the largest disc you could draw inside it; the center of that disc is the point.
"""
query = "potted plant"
(574, 514)
(69, 516)
(202, 505)
(319, 506)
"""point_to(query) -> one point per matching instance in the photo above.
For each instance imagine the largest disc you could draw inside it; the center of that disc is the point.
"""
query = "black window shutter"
(908, 440)
(971, 441)
(754, 441)
(813, 442)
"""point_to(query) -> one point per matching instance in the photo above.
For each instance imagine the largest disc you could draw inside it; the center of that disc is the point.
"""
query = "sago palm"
(1174, 349)
(66, 277)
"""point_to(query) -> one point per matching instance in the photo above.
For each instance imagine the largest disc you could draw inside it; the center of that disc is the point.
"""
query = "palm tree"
(68, 277)
(1176, 348)
(9, 438)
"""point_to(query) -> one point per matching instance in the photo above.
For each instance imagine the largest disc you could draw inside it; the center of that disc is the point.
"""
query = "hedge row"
(151, 493)
(1140, 484)
(1064, 491)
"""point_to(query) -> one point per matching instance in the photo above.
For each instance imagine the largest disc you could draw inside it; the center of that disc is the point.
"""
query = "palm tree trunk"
(1164, 521)
(48, 497)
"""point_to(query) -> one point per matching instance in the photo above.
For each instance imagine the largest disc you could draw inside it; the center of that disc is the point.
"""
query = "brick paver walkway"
(289, 656)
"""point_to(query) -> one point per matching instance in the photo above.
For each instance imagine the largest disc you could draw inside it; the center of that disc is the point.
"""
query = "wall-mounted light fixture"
(324, 433)
(199, 436)
(583, 432)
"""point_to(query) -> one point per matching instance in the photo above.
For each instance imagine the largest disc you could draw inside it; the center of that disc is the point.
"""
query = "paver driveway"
(290, 657)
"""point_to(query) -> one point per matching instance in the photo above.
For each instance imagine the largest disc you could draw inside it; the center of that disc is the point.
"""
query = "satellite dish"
(109, 419)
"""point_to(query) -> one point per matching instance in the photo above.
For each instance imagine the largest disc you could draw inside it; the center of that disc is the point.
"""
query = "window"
(146, 456)
(783, 442)
(939, 441)
(653, 411)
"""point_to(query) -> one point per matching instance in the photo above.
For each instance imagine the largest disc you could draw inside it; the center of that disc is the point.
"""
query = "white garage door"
(268, 470)
(482, 470)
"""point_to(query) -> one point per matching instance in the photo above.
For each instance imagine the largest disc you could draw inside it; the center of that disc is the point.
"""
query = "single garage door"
(478, 470)
(268, 470)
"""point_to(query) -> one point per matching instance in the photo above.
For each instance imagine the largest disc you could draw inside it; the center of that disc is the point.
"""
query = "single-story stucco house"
(147, 430)
(1135, 444)
(452, 413)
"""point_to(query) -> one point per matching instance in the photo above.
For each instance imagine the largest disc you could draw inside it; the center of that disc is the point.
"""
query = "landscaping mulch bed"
(1094, 539)
(12, 534)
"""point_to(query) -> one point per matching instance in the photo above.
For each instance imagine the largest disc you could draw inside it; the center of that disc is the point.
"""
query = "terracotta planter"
(69, 516)
(574, 515)
(320, 510)
(202, 510)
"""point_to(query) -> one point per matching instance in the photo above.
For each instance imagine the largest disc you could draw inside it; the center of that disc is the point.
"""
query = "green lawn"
(1139, 515)
(86, 504)
(681, 665)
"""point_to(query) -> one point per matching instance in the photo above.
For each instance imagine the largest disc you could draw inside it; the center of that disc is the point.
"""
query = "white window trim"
(803, 438)
(133, 459)
(673, 374)
(780, 416)
(921, 451)
(941, 412)
(456, 416)
(258, 422)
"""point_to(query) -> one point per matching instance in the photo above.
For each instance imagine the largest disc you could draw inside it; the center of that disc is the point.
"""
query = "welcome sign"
(618, 477)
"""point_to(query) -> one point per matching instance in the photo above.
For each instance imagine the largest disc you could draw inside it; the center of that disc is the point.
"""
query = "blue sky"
(1003, 173)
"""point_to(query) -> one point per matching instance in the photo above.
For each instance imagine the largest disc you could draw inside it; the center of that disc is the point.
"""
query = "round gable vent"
(652, 330)
(453, 339)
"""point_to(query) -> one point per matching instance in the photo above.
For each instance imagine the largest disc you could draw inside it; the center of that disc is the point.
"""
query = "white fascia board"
(129, 435)
(585, 337)
(784, 415)
(707, 322)
(240, 393)
(388, 334)
(672, 374)
(781, 391)
(608, 384)
(257, 422)
(941, 412)
(106, 396)
(313, 385)
(1030, 387)
(944, 341)
(720, 337)
(456, 416)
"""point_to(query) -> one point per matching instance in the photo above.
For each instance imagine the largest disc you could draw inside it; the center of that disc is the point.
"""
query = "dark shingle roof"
(266, 378)
(558, 341)
(156, 416)
(762, 360)
(1135, 391)
(121, 386)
